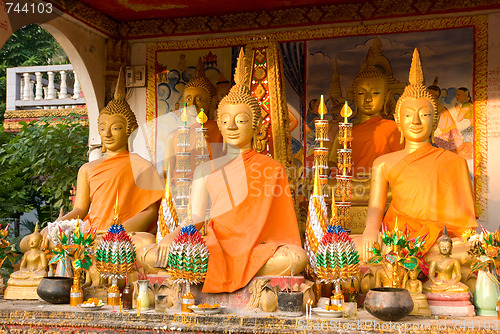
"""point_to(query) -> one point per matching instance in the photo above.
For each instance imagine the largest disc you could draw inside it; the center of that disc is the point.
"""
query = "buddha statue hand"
(370, 236)
(162, 250)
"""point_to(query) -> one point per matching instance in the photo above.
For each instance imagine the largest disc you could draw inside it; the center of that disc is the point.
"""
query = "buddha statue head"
(239, 115)
(117, 120)
(35, 239)
(444, 242)
(200, 92)
(416, 110)
(370, 88)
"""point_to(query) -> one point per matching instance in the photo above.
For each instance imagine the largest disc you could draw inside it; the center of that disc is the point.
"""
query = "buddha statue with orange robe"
(253, 228)
(134, 179)
(199, 95)
(373, 135)
(430, 186)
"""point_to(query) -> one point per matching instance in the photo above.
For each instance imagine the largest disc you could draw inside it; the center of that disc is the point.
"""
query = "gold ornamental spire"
(416, 76)
(322, 108)
(317, 184)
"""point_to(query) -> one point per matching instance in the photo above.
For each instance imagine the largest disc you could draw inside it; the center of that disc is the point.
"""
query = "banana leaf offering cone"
(115, 254)
(188, 257)
(337, 257)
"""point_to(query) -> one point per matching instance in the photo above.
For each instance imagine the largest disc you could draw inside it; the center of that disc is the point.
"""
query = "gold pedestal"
(21, 292)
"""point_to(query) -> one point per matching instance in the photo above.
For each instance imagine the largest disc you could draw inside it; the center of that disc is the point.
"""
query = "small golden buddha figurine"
(22, 284)
(253, 228)
(430, 186)
(414, 287)
(444, 271)
(385, 277)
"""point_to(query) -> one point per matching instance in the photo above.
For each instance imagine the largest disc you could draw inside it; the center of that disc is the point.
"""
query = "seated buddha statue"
(22, 284)
(199, 95)
(133, 178)
(373, 135)
(253, 228)
(444, 271)
(414, 287)
(430, 186)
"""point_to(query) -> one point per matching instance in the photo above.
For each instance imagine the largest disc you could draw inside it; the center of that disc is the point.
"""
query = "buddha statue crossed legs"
(253, 229)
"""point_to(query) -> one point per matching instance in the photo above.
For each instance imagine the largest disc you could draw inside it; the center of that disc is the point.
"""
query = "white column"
(76, 88)
(26, 92)
(52, 90)
(63, 92)
(39, 86)
(32, 88)
(21, 89)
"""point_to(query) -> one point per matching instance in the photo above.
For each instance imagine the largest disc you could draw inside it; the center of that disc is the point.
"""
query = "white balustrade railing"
(34, 87)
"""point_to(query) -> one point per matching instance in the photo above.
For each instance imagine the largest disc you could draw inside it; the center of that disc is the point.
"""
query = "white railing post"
(32, 87)
(39, 86)
(26, 93)
(52, 90)
(76, 88)
(63, 91)
(21, 89)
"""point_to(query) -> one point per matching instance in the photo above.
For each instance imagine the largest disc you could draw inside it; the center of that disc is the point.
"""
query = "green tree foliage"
(39, 166)
(29, 46)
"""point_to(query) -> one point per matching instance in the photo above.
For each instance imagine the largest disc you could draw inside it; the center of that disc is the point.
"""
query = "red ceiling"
(125, 10)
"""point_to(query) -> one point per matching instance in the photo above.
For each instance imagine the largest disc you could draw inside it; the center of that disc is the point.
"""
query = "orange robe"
(371, 139)
(136, 180)
(252, 215)
(431, 188)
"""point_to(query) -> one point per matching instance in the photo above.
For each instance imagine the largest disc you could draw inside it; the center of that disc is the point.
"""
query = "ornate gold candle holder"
(345, 134)
(344, 161)
(183, 136)
(321, 127)
(183, 162)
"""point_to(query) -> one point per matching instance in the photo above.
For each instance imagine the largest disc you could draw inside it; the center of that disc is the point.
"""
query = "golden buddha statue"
(444, 271)
(22, 284)
(430, 186)
(384, 276)
(373, 134)
(253, 228)
(414, 287)
(133, 178)
(199, 95)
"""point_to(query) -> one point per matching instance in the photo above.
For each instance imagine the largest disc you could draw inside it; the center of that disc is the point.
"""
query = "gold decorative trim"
(267, 19)
(480, 115)
(280, 125)
(37, 113)
(478, 22)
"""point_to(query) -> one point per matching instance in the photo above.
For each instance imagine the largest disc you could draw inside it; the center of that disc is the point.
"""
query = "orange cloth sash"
(252, 215)
(136, 180)
(371, 139)
(431, 188)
